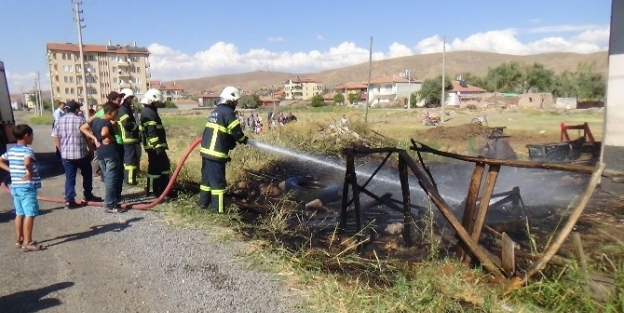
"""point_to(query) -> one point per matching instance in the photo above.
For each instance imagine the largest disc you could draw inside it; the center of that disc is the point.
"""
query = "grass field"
(338, 279)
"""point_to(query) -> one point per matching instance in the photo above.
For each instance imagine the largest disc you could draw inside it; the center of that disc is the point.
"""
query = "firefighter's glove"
(244, 141)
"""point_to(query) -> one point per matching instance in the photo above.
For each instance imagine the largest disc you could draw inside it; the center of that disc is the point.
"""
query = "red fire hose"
(141, 206)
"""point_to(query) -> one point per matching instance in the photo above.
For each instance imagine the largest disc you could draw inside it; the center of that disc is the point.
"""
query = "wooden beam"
(471, 203)
(435, 197)
(490, 183)
(578, 250)
(569, 225)
(508, 259)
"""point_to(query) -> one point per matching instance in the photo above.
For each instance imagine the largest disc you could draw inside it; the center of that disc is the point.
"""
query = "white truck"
(7, 120)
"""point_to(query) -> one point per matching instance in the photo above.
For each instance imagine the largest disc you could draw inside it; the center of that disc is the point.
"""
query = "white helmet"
(152, 95)
(127, 93)
(229, 93)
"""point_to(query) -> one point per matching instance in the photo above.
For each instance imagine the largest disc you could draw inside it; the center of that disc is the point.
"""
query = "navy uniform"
(130, 138)
(221, 134)
(155, 144)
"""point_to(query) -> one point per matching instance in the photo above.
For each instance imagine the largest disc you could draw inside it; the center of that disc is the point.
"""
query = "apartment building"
(107, 68)
(302, 88)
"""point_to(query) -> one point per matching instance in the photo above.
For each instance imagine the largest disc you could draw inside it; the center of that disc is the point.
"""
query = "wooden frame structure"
(469, 229)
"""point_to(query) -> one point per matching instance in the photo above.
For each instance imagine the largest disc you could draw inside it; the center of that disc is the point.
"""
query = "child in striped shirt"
(25, 181)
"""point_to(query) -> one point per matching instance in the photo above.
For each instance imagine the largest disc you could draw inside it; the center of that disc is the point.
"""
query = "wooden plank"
(508, 259)
(577, 245)
(435, 197)
(490, 183)
(471, 203)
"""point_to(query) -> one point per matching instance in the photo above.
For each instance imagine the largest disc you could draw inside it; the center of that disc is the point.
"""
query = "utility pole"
(39, 95)
(370, 73)
(409, 84)
(80, 26)
(443, 82)
(51, 84)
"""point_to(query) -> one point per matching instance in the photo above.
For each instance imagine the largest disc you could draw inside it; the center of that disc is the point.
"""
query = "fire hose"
(140, 206)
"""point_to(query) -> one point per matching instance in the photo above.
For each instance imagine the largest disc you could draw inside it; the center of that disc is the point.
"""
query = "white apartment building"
(107, 68)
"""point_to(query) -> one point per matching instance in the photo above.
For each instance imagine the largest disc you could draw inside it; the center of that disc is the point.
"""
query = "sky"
(200, 38)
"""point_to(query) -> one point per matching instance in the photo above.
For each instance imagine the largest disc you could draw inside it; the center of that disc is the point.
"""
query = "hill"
(422, 66)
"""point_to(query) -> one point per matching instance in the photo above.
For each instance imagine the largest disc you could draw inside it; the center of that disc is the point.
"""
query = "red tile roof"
(351, 86)
(472, 89)
(97, 48)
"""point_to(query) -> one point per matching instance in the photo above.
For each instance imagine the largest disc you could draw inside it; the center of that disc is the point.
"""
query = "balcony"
(124, 74)
(123, 63)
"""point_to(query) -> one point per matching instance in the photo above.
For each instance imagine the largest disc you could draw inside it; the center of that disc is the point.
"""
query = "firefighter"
(221, 134)
(130, 137)
(154, 143)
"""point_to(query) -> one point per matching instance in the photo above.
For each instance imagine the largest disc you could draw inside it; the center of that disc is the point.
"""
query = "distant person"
(58, 112)
(72, 144)
(107, 154)
(221, 134)
(344, 121)
(25, 182)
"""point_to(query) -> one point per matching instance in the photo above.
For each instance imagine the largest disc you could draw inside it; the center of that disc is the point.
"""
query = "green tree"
(431, 91)
(353, 97)
(317, 101)
(339, 98)
(249, 102)
(539, 78)
(591, 85)
(170, 104)
(507, 77)
(565, 85)
(473, 80)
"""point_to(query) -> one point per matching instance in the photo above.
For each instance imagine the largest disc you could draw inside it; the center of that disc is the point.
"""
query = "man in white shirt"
(60, 111)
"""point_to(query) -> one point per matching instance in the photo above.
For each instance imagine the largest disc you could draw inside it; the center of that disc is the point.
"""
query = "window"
(138, 80)
(69, 91)
(137, 90)
(90, 79)
(66, 79)
(134, 59)
(91, 57)
(138, 70)
(92, 91)
(66, 56)
(68, 68)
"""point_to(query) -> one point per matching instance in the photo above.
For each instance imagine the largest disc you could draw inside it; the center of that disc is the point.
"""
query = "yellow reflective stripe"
(232, 125)
(130, 167)
(165, 172)
(153, 139)
(217, 127)
(123, 118)
(213, 141)
(213, 153)
(150, 123)
(242, 139)
(130, 140)
(151, 176)
(220, 195)
(204, 188)
(159, 126)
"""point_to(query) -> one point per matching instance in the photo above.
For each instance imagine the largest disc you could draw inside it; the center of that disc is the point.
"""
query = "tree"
(473, 80)
(431, 91)
(564, 85)
(339, 98)
(353, 97)
(318, 101)
(591, 85)
(507, 77)
(170, 104)
(539, 78)
(249, 102)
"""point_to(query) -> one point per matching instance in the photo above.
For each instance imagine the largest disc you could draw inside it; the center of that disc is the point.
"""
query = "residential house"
(461, 91)
(171, 91)
(302, 88)
(107, 68)
(208, 99)
(352, 88)
(390, 88)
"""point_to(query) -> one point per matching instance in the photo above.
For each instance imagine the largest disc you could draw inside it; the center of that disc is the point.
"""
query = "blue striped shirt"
(17, 167)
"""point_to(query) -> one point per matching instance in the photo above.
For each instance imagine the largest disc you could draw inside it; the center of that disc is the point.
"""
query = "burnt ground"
(547, 196)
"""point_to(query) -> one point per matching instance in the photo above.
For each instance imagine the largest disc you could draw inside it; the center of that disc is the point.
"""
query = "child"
(108, 158)
(25, 182)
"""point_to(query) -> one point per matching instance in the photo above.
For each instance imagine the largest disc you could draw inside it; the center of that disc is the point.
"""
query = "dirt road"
(130, 262)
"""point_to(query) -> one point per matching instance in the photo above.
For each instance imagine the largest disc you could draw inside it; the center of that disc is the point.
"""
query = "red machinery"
(564, 137)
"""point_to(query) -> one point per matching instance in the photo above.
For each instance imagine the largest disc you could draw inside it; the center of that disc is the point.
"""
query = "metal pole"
(370, 72)
(39, 94)
(443, 82)
(79, 20)
(52, 108)
(409, 84)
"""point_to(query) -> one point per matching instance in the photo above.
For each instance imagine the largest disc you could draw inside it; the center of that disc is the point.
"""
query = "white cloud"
(168, 63)
(562, 28)
(320, 37)
(19, 82)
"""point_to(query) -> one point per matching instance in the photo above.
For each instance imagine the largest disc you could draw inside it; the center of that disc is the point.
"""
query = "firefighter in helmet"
(155, 143)
(221, 134)
(130, 137)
